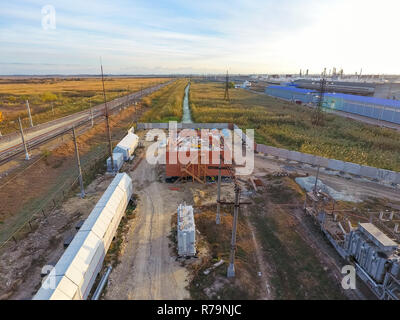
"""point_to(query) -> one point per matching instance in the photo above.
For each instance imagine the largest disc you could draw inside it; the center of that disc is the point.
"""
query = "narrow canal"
(186, 117)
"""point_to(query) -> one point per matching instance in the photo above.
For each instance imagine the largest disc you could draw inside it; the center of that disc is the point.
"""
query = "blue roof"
(349, 97)
(363, 99)
(292, 89)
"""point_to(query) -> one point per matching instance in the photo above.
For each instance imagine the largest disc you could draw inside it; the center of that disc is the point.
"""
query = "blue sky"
(202, 36)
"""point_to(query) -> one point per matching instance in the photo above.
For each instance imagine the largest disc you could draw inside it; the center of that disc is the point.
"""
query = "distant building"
(376, 108)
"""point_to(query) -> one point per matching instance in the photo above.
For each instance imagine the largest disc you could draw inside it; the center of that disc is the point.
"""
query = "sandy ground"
(148, 269)
(359, 188)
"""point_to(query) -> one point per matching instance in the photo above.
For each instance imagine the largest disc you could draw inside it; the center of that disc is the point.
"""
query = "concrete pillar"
(231, 268)
(78, 162)
(23, 140)
(29, 113)
(218, 217)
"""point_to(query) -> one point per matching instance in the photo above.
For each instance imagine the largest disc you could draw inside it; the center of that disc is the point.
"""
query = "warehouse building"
(376, 108)
(291, 93)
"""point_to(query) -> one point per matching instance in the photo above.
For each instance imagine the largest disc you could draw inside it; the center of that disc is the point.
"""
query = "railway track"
(76, 120)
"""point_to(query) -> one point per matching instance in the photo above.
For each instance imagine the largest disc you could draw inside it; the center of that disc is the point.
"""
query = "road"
(11, 144)
(147, 268)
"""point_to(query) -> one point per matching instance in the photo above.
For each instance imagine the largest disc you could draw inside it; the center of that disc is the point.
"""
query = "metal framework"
(226, 95)
(318, 116)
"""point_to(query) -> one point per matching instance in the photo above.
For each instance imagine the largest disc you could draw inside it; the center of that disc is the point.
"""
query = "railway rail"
(81, 118)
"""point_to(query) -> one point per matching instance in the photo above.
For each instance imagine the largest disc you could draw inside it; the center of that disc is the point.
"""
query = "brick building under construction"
(198, 156)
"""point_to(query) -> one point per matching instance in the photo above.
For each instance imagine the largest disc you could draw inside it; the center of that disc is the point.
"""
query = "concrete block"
(352, 168)
(369, 172)
(386, 175)
(335, 164)
(272, 151)
(295, 156)
(397, 178)
(283, 153)
(307, 158)
(323, 162)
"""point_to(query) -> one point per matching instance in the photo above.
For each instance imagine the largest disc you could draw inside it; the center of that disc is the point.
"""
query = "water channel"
(186, 117)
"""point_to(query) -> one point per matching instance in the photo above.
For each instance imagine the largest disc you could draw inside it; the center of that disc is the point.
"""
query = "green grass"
(286, 125)
(166, 104)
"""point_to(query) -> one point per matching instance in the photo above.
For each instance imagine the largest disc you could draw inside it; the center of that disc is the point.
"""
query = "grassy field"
(166, 104)
(286, 125)
(296, 271)
(51, 98)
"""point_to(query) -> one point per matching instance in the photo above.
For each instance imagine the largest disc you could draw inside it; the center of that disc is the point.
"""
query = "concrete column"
(23, 140)
(218, 217)
(231, 268)
(78, 162)
(29, 113)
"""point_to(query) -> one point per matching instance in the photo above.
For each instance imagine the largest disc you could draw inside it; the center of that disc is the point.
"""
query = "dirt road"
(148, 269)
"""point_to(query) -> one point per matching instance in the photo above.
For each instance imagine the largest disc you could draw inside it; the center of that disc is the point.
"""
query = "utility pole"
(29, 112)
(318, 112)
(78, 162)
(52, 108)
(316, 180)
(91, 111)
(23, 140)
(231, 268)
(107, 121)
(226, 95)
(218, 218)
(135, 103)
(127, 97)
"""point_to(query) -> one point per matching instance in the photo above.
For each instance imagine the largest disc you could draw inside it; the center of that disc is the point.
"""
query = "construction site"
(146, 210)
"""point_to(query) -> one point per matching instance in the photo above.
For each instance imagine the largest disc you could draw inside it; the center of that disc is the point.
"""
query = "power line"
(107, 121)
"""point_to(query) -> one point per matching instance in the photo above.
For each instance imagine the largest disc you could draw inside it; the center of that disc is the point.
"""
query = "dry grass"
(67, 96)
(296, 271)
(286, 125)
(56, 168)
(166, 104)
(217, 237)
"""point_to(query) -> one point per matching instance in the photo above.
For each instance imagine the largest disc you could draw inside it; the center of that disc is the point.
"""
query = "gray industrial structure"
(123, 151)
(186, 231)
(375, 256)
(127, 145)
(118, 159)
(377, 259)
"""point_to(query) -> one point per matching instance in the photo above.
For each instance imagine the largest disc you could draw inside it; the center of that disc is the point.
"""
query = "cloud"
(262, 36)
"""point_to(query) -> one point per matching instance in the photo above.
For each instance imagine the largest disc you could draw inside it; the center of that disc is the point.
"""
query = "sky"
(201, 36)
